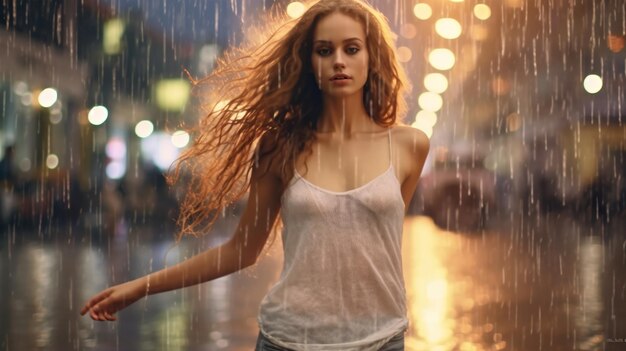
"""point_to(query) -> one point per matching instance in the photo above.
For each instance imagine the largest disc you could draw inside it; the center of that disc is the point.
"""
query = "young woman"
(311, 115)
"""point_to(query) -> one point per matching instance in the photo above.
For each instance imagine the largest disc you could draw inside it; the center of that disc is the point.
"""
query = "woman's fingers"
(100, 311)
(93, 315)
(103, 306)
(95, 300)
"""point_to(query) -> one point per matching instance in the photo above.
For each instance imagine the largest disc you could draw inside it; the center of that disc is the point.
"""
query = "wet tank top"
(341, 287)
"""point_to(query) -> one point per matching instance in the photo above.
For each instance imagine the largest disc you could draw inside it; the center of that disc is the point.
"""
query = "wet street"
(539, 283)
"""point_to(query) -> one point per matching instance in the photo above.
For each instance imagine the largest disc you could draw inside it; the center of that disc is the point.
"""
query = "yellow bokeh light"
(408, 31)
(47, 97)
(430, 101)
(436, 82)
(448, 28)
(404, 54)
(426, 118)
(172, 94)
(52, 161)
(482, 11)
(180, 138)
(295, 9)
(442, 59)
(144, 129)
(592, 83)
(422, 11)
(478, 32)
(112, 36)
(500, 86)
(513, 122)
(97, 115)
(616, 42)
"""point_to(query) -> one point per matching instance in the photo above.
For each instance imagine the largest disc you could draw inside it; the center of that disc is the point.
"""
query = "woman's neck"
(345, 115)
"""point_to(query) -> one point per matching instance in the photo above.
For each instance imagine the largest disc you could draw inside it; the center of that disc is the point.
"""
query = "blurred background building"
(523, 101)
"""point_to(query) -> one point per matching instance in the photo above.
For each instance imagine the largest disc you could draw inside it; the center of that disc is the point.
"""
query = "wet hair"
(266, 90)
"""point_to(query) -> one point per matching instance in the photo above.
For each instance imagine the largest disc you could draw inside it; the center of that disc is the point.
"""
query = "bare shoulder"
(414, 142)
(412, 145)
(267, 154)
(268, 144)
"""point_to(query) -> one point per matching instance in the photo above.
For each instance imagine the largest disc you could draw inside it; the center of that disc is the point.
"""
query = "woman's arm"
(239, 252)
(414, 151)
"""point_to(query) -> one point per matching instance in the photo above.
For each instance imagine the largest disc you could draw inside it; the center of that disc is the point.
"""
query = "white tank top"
(341, 287)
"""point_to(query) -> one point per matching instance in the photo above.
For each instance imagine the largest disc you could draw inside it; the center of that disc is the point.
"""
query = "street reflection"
(589, 312)
(537, 283)
(36, 298)
(427, 286)
(525, 285)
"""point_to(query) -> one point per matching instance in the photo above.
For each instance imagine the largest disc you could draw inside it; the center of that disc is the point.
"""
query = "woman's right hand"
(104, 305)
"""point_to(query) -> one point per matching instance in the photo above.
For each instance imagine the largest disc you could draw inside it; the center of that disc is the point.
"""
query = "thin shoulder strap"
(390, 155)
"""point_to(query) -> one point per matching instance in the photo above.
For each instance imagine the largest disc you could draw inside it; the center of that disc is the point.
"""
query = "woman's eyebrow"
(345, 40)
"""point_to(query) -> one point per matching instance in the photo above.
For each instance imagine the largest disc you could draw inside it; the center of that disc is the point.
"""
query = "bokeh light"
(55, 116)
(441, 59)
(436, 82)
(158, 149)
(112, 36)
(592, 83)
(404, 54)
(115, 169)
(25, 164)
(172, 94)
(52, 161)
(408, 31)
(97, 115)
(47, 97)
(448, 28)
(20, 88)
(116, 148)
(616, 42)
(422, 11)
(295, 9)
(144, 128)
(482, 11)
(427, 118)
(500, 86)
(180, 139)
(513, 122)
(430, 101)
(478, 32)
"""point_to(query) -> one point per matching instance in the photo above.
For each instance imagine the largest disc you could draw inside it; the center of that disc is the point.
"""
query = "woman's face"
(339, 51)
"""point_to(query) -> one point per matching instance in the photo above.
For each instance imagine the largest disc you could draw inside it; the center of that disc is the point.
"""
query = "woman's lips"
(340, 81)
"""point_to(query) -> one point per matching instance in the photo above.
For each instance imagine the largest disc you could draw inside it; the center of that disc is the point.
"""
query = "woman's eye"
(326, 51)
(323, 51)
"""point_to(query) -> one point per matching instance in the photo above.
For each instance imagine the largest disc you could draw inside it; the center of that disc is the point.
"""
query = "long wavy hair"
(268, 87)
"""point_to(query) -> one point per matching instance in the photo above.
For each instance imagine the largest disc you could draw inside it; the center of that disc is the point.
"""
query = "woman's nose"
(339, 62)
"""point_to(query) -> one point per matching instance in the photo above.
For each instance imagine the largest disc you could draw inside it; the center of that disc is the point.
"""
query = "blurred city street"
(515, 238)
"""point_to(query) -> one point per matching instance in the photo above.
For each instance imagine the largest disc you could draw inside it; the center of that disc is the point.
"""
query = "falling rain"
(514, 238)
